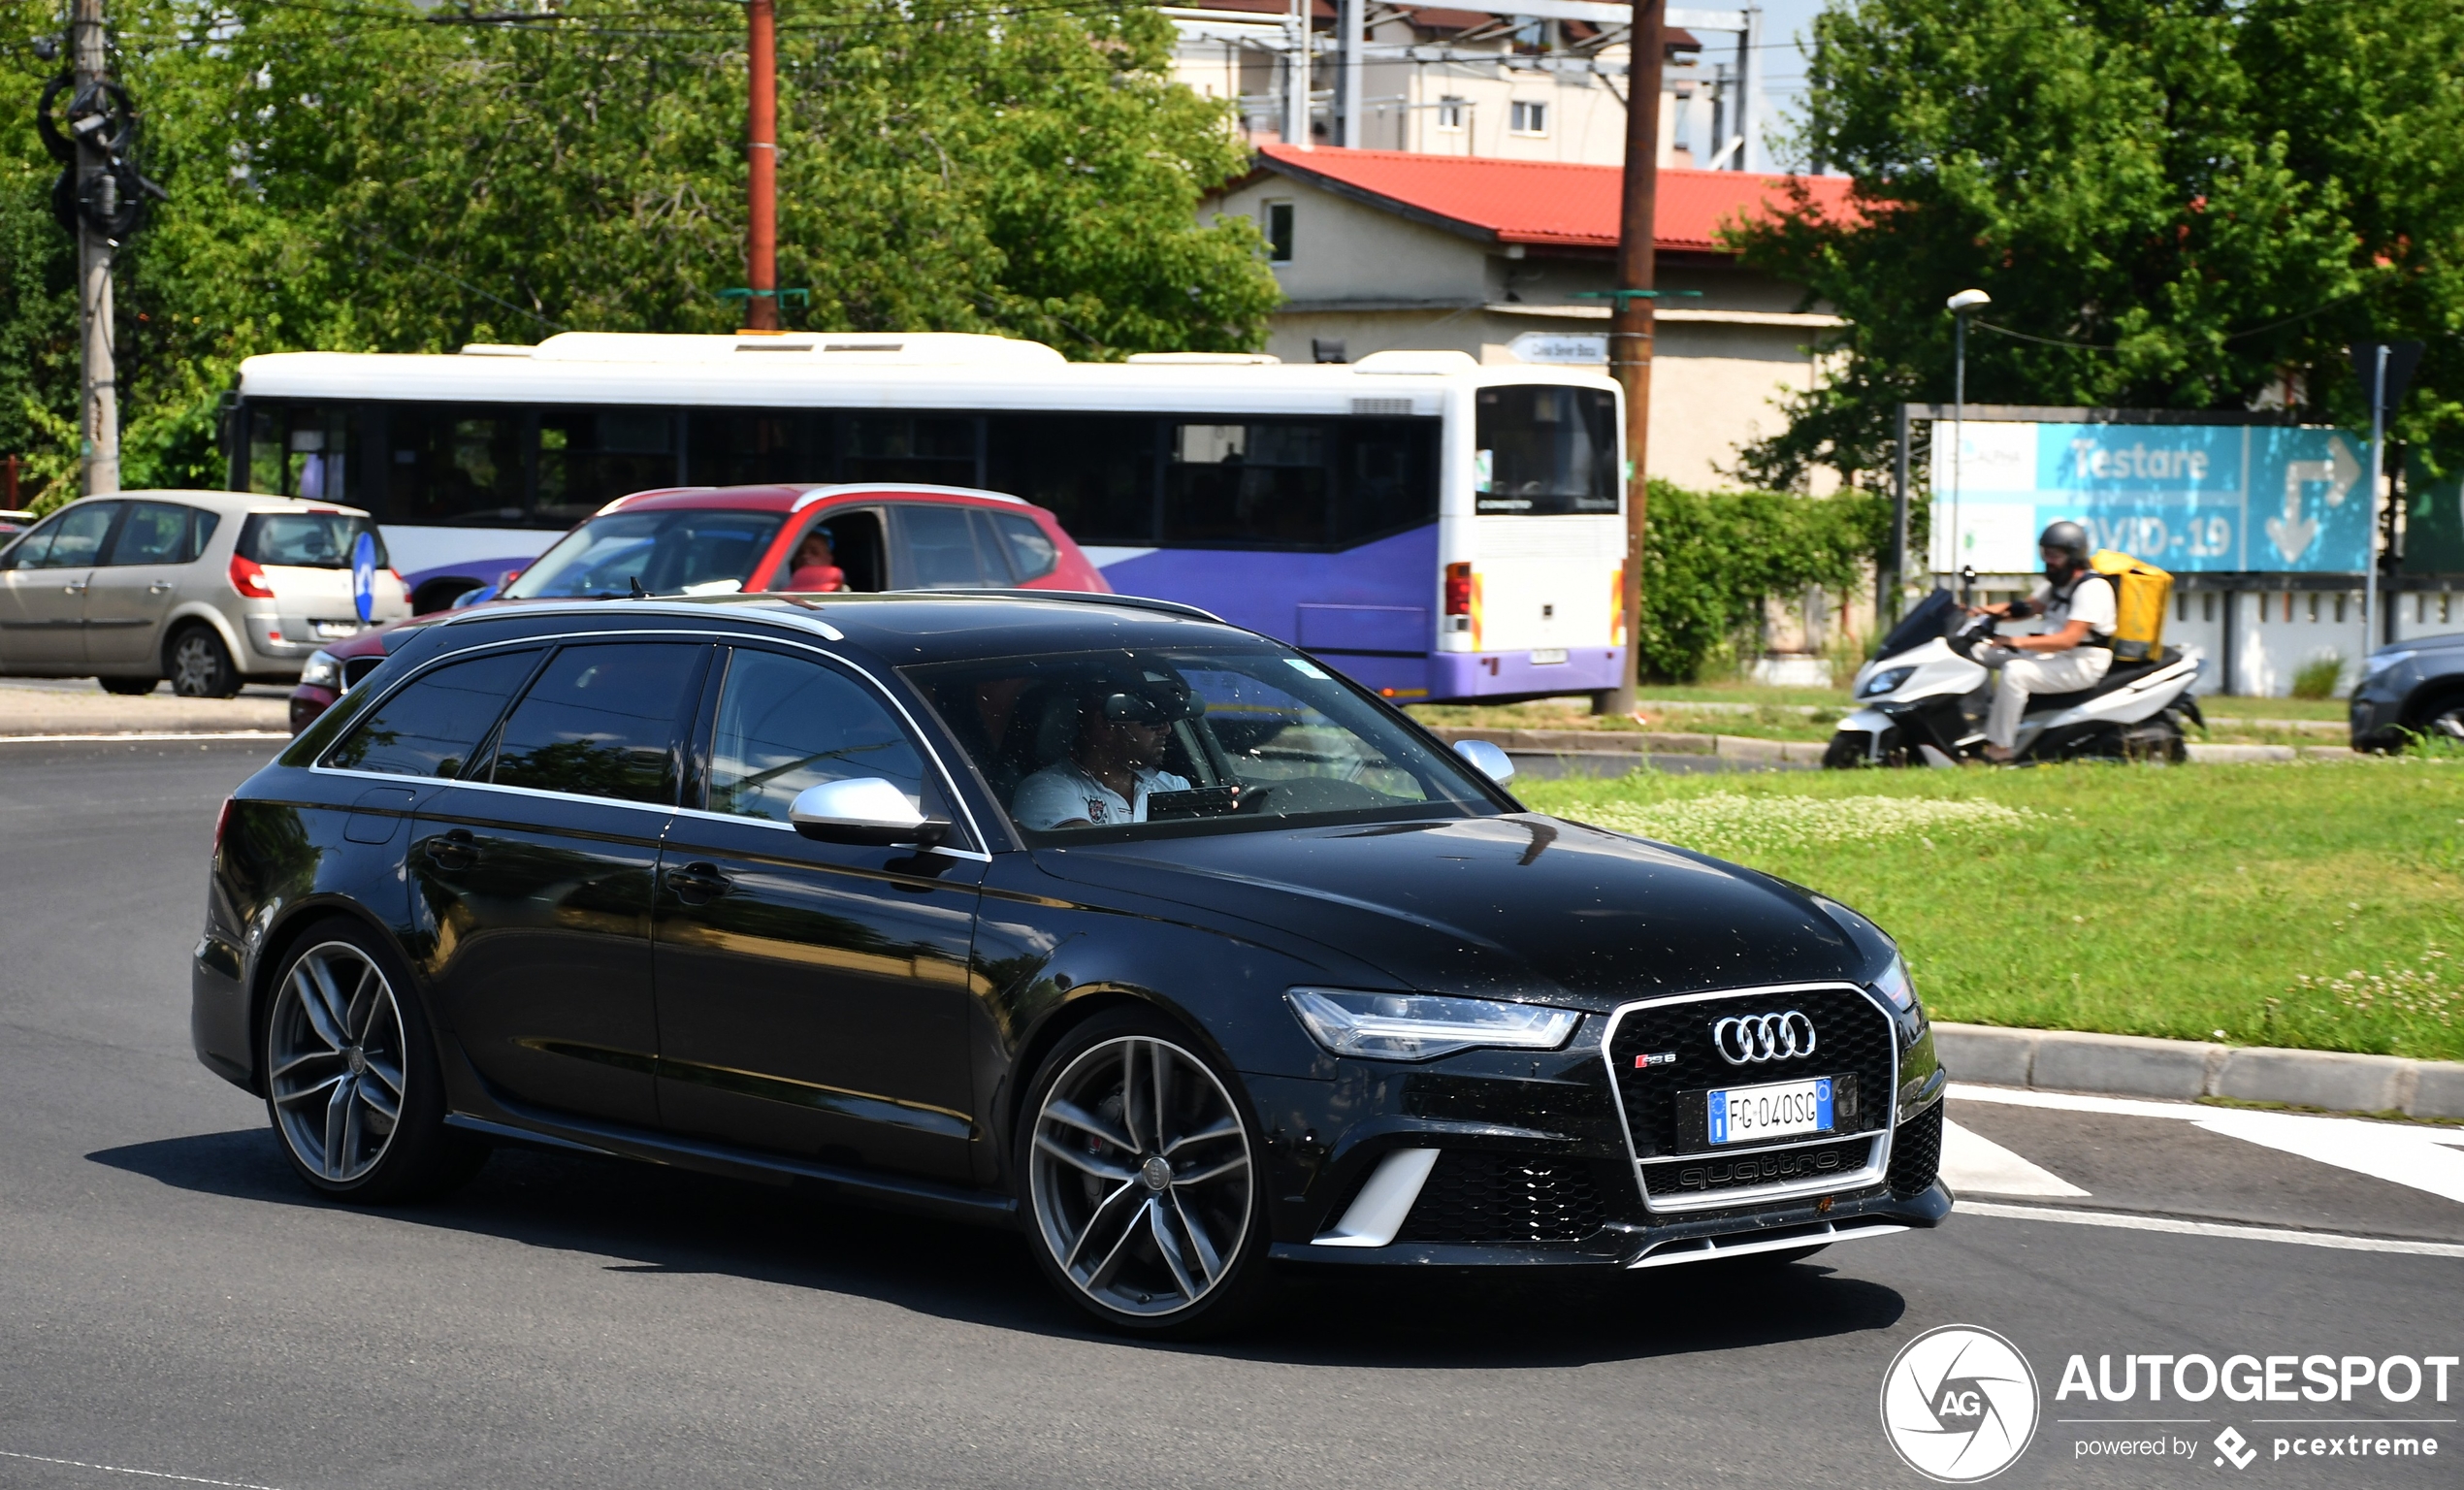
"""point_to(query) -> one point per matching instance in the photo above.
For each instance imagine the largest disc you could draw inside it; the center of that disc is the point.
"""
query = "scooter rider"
(2074, 652)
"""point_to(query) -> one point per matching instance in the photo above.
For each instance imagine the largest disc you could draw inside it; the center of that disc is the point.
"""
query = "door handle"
(159, 586)
(73, 586)
(698, 881)
(454, 851)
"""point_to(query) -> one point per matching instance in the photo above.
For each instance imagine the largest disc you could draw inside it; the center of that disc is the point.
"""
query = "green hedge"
(1711, 558)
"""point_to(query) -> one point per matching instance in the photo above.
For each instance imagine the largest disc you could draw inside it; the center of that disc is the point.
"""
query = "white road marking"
(2328, 1238)
(114, 1468)
(2418, 1157)
(1971, 1161)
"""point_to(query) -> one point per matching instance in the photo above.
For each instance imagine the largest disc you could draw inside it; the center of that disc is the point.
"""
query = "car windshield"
(692, 551)
(1128, 744)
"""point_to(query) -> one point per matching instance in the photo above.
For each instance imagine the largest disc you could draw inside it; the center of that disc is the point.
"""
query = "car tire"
(129, 688)
(1150, 1215)
(352, 1084)
(2439, 719)
(200, 664)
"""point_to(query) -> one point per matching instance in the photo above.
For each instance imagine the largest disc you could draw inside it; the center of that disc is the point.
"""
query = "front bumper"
(1498, 1158)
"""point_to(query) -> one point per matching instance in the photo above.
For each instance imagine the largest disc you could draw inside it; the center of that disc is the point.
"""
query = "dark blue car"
(2412, 688)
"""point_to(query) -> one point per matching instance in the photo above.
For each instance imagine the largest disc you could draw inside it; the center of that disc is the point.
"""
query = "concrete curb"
(2185, 1070)
(1590, 744)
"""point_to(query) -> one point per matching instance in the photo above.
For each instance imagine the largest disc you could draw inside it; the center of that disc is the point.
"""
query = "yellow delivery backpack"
(2139, 592)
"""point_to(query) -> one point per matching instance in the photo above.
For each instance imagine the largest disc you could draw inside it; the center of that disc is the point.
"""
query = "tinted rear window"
(307, 540)
(602, 720)
(433, 724)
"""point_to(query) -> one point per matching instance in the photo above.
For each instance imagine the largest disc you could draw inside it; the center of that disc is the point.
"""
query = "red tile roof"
(1541, 202)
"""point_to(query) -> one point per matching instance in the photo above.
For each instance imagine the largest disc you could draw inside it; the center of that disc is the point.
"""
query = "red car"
(720, 540)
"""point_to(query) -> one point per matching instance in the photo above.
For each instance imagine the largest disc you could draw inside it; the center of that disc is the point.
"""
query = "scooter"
(1923, 700)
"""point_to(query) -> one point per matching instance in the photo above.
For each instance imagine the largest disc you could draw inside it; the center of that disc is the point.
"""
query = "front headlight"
(1422, 1026)
(2381, 661)
(1896, 985)
(323, 670)
(1883, 682)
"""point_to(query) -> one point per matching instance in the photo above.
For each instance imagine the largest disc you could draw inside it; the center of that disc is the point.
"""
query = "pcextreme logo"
(1959, 1403)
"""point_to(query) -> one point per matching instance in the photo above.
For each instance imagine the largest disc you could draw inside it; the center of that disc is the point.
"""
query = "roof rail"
(1091, 597)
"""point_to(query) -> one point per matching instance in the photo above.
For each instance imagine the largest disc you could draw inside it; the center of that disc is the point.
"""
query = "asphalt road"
(172, 1302)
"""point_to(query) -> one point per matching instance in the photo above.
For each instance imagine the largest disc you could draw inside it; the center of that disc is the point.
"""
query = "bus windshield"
(693, 551)
(1130, 744)
(1543, 451)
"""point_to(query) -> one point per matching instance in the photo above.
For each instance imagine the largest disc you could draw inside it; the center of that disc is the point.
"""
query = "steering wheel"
(1311, 793)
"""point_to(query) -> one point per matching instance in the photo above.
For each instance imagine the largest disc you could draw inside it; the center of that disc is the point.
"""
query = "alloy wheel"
(336, 1058)
(196, 666)
(1141, 1176)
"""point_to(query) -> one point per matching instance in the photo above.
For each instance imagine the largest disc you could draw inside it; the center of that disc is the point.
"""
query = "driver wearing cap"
(1110, 771)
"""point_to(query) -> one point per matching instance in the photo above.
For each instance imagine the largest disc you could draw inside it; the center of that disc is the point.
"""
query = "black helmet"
(2066, 538)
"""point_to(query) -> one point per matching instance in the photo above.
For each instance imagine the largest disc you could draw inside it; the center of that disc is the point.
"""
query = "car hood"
(1524, 907)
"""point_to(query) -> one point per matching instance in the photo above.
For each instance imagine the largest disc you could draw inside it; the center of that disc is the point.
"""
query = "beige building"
(1510, 261)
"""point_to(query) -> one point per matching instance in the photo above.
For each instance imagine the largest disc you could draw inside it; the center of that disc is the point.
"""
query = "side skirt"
(893, 1192)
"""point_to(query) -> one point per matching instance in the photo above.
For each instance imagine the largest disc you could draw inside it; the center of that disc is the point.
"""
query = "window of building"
(1531, 118)
(1278, 232)
(1450, 112)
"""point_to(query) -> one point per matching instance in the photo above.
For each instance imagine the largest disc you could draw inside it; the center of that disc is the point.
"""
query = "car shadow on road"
(643, 1219)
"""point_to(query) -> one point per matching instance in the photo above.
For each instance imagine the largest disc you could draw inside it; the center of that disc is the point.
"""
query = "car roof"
(904, 627)
(796, 496)
(228, 502)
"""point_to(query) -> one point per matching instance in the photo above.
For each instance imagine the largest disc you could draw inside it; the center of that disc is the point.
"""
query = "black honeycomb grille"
(1477, 1196)
(1916, 1153)
(1852, 1035)
(1704, 1174)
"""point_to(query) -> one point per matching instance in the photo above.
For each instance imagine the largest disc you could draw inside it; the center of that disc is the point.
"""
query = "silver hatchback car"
(207, 589)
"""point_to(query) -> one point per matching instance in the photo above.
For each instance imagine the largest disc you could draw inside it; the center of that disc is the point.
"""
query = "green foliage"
(2213, 196)
(391, 176)
(2318, 677)
(1712, 557)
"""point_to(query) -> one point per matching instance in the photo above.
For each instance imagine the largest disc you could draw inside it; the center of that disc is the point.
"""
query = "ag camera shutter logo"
(1959, 1403)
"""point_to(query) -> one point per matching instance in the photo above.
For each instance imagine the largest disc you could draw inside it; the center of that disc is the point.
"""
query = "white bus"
(1436, 527)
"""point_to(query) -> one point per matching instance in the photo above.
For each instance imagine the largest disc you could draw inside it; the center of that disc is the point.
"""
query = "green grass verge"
(2306, 905)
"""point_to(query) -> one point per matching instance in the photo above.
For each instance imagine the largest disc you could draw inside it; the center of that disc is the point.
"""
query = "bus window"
(456, 463)
(898, 447)
(1261, 483)
(1097, 473)
(1390, 479)
(301, 450)
(746, 447)
(588, 456)
(1545, 452)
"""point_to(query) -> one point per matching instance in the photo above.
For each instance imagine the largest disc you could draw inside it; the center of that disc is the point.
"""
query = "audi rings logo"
(1749, 1040)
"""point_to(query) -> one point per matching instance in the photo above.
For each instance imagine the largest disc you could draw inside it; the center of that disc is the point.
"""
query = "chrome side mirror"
(1487, 758)
(864, 810)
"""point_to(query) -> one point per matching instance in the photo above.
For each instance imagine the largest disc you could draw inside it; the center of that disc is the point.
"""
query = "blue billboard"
(2188, 497)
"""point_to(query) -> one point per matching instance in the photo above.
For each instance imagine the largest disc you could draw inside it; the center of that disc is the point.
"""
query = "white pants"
(2040, 672)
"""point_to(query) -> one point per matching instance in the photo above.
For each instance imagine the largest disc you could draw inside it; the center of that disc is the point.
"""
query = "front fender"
(1871, 722)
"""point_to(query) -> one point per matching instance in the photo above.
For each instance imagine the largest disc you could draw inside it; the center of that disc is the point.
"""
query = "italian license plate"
(1745, 1114)
(1541, 656)
(329, 631)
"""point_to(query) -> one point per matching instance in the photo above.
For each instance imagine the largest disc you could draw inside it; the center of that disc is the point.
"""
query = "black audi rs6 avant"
(1094, 917)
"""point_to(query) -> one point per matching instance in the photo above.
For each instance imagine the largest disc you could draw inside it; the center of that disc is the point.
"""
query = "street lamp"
(1960, 306)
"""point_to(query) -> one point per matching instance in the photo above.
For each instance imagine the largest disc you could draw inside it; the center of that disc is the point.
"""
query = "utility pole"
(1354, 27)
(98, 416)
(1296, 108)
(762, 151)
(1630, 319)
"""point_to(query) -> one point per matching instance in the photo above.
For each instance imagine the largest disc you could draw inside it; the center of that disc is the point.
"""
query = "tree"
(383, 176)
(2210, 199)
